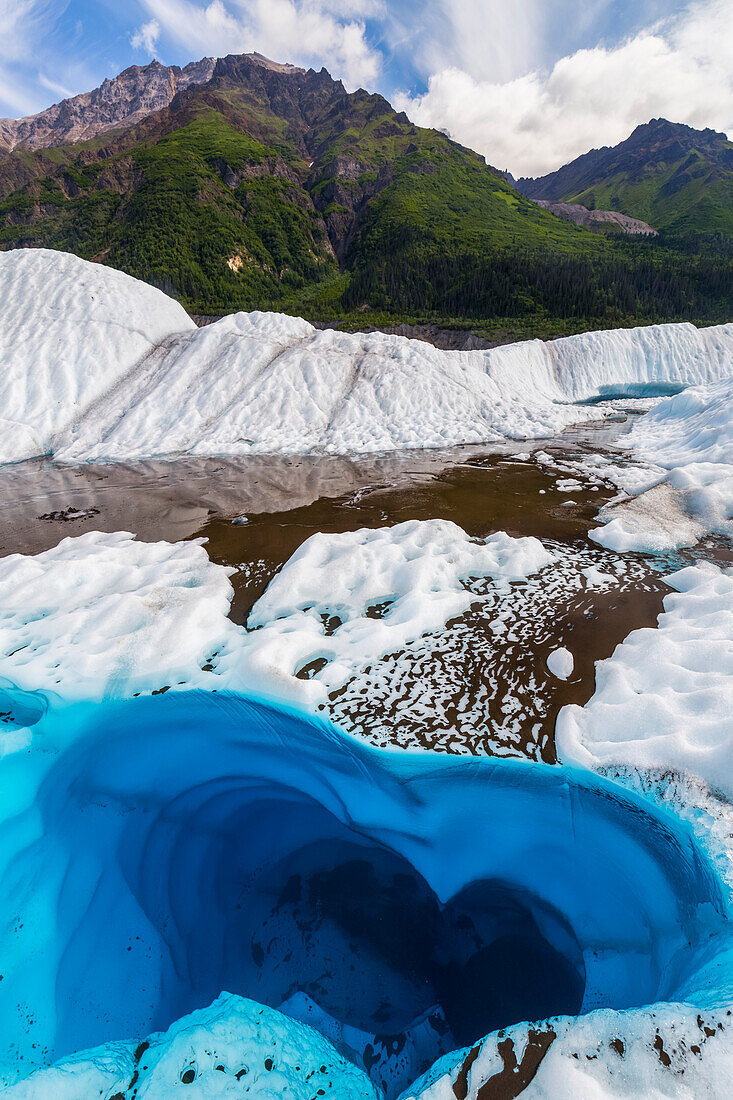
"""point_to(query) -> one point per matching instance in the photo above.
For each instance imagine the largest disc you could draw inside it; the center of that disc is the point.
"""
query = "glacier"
(206, 888)
(158, 850)
(663, 699)
(105, 368)
(70, 331)
(684, 488)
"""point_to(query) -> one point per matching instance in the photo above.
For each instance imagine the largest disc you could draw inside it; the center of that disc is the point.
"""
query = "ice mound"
(344, 600)
(105, 367)
(106, 615)
(103, 614)
(664, 700)
(561, 663)
(231, 1048)
(262, 383)
(673, 1052)
(69, 332)
(686, 444)
(158, 850)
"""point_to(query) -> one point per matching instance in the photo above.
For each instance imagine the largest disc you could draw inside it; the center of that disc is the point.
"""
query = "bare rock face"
(598, 219)
(128, 98)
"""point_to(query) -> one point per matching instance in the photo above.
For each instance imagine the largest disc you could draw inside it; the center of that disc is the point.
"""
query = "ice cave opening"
(166, 849)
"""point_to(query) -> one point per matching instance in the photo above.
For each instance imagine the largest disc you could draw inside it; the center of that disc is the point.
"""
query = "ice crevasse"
(102, 366)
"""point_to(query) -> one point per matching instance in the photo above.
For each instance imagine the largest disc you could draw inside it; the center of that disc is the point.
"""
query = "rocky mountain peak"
(121, 101)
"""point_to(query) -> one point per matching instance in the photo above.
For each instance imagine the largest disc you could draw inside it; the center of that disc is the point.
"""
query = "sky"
(530, 84)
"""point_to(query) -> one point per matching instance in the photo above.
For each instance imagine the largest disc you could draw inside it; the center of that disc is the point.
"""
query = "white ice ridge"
(231, 1048)
(105, 615)
(664, 699)
(264, 383)
(686, 443)
(673, 1052)
(69, 331)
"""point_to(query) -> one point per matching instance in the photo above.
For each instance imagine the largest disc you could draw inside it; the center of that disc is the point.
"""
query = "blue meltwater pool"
(156, 851)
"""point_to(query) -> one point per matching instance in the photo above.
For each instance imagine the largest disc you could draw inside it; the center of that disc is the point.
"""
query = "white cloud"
(146, 37)
(679, 69)
(54, 86)
(22, 25)
(317, 32)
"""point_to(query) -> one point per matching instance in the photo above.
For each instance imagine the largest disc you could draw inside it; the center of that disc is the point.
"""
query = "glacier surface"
(685, 448)
(106, 368)
(664, 699)
(104, 615)
(70, 331)
(375, 916)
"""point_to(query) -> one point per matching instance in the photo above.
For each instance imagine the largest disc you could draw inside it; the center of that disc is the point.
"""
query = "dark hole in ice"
(311, 668)
(19, 708)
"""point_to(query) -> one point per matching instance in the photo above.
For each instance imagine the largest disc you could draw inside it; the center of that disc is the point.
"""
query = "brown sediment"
(468, 689)
(483, 495)
(460, 1085)
(472, 690)
(514, 1077)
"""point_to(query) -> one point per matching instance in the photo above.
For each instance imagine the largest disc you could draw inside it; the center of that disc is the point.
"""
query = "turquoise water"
(156, 851)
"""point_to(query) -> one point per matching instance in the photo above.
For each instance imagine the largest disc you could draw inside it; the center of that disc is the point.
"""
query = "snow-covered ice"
(684, 448)
(259, 383)
(664, 699)
(69, 332)
(104, 615)
(673, 1052)
(105, 367)
(347, 599)
(561, 663)
(232, 1048)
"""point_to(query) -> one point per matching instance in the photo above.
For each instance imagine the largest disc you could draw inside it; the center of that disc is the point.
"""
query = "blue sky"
(529, 83)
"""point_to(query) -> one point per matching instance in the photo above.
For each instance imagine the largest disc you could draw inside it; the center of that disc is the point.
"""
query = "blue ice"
(156, 851)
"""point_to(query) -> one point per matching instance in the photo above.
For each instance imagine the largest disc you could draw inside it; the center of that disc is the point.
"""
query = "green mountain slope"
(675, 177)
(272, 187)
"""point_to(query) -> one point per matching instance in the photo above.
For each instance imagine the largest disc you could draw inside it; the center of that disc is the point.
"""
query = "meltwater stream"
(156, 851)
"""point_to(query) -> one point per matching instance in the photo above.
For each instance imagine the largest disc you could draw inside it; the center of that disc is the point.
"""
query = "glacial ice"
(69, 332)
(259, 383)
(156, 851)
(561, 663)
(686, 445)
(664, 699)
(103, 615)
(105, 367)
(161, 849)
(346, 599)
(233, 1047)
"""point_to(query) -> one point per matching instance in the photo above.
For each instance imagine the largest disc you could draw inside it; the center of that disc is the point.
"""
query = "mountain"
(248, 184)
(674, 177)
(260, 181)
(131, 96)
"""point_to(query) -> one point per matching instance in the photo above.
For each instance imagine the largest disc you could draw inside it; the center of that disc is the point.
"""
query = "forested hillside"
(272, 187)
